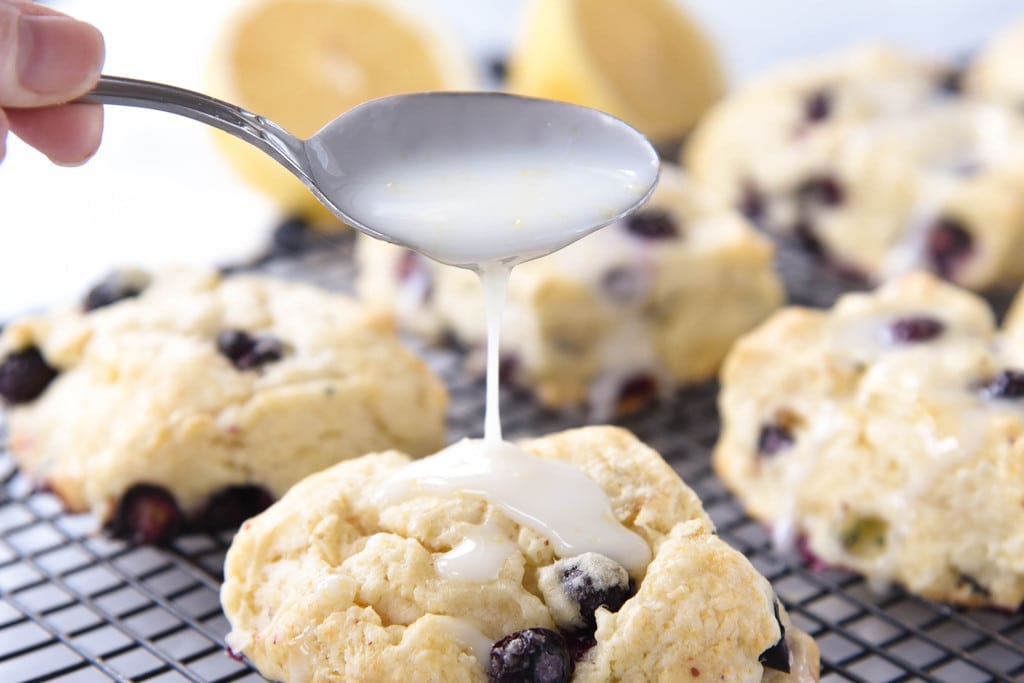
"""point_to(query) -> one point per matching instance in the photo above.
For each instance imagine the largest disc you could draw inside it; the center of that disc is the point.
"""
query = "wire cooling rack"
(75, 606)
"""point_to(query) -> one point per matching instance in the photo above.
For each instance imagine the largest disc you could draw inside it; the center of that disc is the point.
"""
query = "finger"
(45, 57)
(3, 135)
(68, 134)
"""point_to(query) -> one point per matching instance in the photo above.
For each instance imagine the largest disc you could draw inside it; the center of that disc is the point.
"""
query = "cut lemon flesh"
(301, 63)
(644, 61)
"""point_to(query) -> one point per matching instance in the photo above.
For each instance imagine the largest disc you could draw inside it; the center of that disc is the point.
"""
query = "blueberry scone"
(995, 72)
(609, 323)
(341, 580)
(888, 435)
(192, 400)
(877, 162)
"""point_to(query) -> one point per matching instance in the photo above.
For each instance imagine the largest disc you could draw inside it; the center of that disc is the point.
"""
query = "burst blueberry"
(952, 81)
(773, 438)
(534, 655)
(293, 235)
(823, 190)
(949, 244)
(118, 285)
(146, 514)
(229, 507)
(807, 240)
(1008, 384)
(24, 375)
(575, 587)
(916, 329)
(652, 224)
(636, 392)
(752, 203)
(248, 352)
(510, 365)
(818, 106)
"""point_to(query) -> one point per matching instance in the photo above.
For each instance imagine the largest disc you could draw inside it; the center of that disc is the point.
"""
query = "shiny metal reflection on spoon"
(400, 128)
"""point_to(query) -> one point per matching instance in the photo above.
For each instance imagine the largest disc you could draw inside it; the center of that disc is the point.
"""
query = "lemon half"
(301, 63)
(644, 61)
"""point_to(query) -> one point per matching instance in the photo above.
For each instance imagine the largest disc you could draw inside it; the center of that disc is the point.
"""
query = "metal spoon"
(403, 129)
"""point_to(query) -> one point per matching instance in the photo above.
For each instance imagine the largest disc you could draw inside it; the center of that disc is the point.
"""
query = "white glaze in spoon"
(467, 178)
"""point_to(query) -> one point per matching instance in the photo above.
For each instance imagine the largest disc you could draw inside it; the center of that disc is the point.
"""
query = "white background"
(158, 193)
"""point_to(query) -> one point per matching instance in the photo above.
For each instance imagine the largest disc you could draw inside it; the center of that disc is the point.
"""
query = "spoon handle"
(284, 147)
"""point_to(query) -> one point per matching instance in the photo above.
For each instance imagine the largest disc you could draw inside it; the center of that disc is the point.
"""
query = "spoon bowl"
(467, 178)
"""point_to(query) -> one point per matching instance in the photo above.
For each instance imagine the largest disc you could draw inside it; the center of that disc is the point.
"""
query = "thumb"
(46, 57)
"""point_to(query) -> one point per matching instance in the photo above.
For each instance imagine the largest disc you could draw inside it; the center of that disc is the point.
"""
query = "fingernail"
(69, 164)
(56, 54)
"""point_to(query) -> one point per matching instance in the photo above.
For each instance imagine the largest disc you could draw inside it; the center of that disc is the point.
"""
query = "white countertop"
(158, 193)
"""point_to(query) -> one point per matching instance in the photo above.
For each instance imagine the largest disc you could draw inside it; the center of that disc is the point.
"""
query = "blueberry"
(116, 286)
(807, 240)
(636, 392)
(24, 375)
(916, 329)
(292, 236)
(652, 224)
(818, 106)
(819, 192)
(497, 67)
(949, 244)
(573, 588)
(777, 656)
(146, 514)
(1007, 384)
(752, 203)
(229, 507)
(246, 351)
(234, 343)
(822, 190)
(624, 284)
(773, 438)
(952, 81)
(510, 365)
(265, 349)
(579, 643)
(534, 655)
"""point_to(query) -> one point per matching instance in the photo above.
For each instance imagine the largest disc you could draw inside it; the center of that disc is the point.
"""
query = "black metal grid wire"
(75, 606)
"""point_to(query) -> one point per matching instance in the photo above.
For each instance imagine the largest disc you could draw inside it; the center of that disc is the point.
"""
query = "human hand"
(46, 60)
